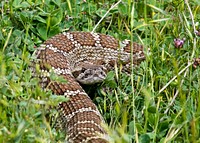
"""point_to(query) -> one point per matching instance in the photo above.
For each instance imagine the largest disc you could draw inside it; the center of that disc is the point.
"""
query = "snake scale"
(82, 57)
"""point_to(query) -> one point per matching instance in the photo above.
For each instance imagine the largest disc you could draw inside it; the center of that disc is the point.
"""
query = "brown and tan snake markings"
(86, 58)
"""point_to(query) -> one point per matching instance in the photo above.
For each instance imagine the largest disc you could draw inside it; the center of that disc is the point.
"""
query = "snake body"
(69, 54)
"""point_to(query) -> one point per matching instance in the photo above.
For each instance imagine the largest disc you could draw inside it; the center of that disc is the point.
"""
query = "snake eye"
(102, 73)
(86, 75)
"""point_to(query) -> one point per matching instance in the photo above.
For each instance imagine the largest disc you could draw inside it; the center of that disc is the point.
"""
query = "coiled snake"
(82, 57)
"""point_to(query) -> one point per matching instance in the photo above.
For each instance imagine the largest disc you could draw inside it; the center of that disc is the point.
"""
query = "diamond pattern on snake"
(82, 57)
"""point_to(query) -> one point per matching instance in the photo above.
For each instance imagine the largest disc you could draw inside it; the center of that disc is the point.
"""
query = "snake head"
(90, 74)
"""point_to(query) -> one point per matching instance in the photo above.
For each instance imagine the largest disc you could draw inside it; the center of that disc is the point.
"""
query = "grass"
(159, 102)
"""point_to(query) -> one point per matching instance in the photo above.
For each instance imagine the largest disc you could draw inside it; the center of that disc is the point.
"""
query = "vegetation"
(158, 102)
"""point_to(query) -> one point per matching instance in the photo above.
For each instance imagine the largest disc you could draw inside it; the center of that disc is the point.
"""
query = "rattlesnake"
(86, 58)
